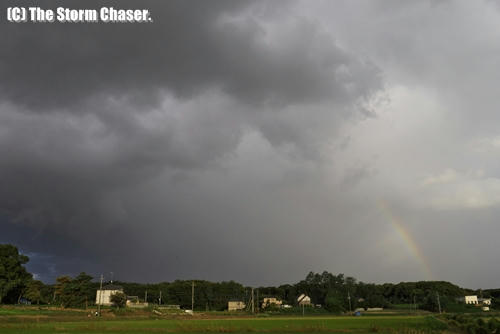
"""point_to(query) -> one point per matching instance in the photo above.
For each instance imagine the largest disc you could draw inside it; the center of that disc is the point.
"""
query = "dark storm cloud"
(110, 59)
(190, 47)
(110, 135)
(255, 141)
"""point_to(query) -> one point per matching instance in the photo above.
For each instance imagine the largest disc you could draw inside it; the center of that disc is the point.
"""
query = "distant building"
(170, 307)
(133, 301)
(374, 309)
(484, 301)
(24, 301)
(235, 305)
(304, 300)
(473, 300)
(271, 301)
(103, 297)
(470, 300)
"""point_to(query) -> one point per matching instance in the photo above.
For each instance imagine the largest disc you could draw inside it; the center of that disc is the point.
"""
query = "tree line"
(335, 293)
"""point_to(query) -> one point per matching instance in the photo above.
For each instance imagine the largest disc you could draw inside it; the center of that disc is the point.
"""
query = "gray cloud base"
(230, 137)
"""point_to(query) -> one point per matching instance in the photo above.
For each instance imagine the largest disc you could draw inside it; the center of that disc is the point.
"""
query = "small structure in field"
(103, 297)
(133, 301)
(271, 301)
(484, 301)
(236, 305)
(304, 300)
(374, 309)
(170, 307)
(470, 300)
(473, 300)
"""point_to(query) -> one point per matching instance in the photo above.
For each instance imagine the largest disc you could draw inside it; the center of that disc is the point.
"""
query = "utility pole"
(349, 298)
(100, 297)
(253, 303)
(257, 300)
(192, 296)
(439, 303)
(159, 299)
(146, 296)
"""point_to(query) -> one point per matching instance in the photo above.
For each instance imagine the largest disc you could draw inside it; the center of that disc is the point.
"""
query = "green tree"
(118, 299)
(431, 303)
(34, 291)
(81, 288)
(62, 290)
(333, 302)
(74, 292)
(12, 272)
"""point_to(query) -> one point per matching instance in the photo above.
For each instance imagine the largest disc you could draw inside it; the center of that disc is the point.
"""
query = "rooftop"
(112, 287)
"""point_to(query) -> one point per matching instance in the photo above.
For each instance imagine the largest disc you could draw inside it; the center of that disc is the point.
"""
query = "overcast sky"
(256, 141)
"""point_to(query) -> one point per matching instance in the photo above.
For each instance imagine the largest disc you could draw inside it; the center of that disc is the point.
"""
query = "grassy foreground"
(359, 325)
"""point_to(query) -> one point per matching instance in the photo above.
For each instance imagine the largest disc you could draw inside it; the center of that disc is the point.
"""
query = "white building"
(271, 301)
(304, 300)
(236, 305)
(471, 300)
(485, 301)
(103, 297)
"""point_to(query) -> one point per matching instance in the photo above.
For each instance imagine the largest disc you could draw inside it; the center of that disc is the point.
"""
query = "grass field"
(67, 321)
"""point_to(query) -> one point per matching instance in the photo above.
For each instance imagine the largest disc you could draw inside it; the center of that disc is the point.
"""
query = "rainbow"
(407, 237)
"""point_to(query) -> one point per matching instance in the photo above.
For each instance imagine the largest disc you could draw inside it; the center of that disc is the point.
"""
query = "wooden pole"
(192, 296)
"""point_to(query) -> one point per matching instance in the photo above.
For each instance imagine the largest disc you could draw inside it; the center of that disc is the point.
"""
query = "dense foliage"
(74, 292)
(474, 323)
(334, 293)
(13, 276)
(118, 299)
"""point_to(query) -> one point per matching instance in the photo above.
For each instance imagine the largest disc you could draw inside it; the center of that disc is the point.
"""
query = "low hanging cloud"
(93, 118)
(453, 190)
(230, 137)
(190, 47)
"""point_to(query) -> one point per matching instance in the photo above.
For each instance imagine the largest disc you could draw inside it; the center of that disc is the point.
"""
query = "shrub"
(118, 299)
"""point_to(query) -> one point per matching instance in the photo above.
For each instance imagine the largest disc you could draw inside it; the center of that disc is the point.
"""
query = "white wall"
(471, 300)
(103, 297)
